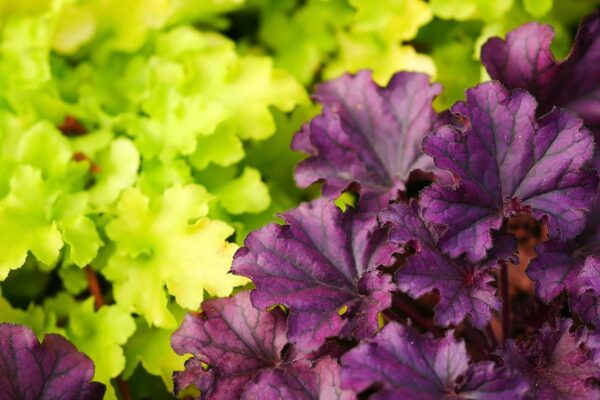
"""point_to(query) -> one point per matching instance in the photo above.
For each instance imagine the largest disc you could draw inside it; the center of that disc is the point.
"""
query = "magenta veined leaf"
(322, 266)
(401, 364)
(368, 136)
(242, 352)
(524, 60)
(508, 163)
(51, 370)
(556, 363)
(464, 287)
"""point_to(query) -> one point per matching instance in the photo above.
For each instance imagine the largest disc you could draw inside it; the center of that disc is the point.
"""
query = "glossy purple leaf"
(586, 305)
(555, 362)
(464, 288)
(573, 266)
(52, 370)
(300, 382)
(367, 135)
(242, 352)
(508, 163)
(401, 364)
(320, 265)
(525, 61)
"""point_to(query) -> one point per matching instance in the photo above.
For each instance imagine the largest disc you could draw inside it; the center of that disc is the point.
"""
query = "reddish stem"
(491, 338)
(504, 286)
(96, 292)
(94, 285)
(406, 309)
(123, 389)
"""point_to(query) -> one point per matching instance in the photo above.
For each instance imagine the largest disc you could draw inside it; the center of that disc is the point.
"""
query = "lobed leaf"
(322, 266)
(508, 163)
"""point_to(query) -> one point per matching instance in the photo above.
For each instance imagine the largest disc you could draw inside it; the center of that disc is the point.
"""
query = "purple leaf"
(300, 382)
(463, 287)
(52, 370)
(322, 264)
(525, 61)
(368, 135)
(401, 364)
(508, 163)
(555, 268)
(573, 266)
(246, 355)
(555, 362)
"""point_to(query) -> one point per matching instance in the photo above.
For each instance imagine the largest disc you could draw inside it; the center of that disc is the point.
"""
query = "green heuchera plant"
(110, 115)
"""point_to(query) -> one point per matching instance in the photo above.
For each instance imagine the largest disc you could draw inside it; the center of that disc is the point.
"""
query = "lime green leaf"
(35, 317)
(101, 335)
(118, 165)
(83, 239)
(394, 20)
(43, 147)
(367, 51)
(75, 26)
(25, 223)
(73, 278)
(152, 348)
(168, 241)
(223, 148)
(538, 8)
(246, 194)
(468, 9)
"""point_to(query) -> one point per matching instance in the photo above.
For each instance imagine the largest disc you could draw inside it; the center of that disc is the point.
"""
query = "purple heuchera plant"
(52, 370)
(323, 262)
(367, 136)
(524, 60)
(241, 352)
(406, 365)
(417, 294)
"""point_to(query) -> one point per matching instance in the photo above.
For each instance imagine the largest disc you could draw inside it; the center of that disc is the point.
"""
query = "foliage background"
(189, 108)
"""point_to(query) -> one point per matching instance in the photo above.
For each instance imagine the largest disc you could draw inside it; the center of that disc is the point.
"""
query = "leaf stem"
(96, 292)
(491, 337)
(505, 301)
(94, 286)
(123, 389)
(410, 312)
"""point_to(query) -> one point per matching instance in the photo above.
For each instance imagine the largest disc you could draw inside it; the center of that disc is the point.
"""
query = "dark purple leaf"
(367, 135)
(463, 287)
(401, 364)
(508, 163)
(525, 61)
(320, 265)
(555, 362)
(245, 352)
(52, 370)
(572, 266)
(300, 382)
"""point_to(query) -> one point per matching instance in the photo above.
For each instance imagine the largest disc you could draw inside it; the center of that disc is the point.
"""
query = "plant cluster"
(406, 294)
(140, 142)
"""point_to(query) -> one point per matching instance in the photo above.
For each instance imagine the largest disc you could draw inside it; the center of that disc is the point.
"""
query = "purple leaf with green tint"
(525, 60)
(367, 135)
(245, 353)
(52, 370)
(556, 363)
(321, 265)
(508, 163)
(401, 364)
(464, 288)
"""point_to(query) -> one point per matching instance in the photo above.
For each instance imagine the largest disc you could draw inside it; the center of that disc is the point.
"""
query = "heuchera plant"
(51, 370)
(413, 291)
